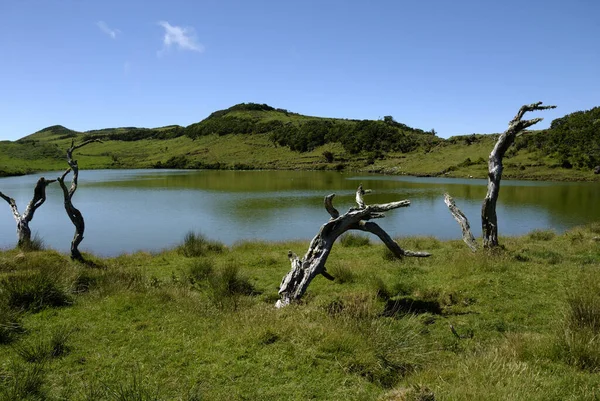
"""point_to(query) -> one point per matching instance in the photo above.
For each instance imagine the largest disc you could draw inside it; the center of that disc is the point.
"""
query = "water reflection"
(128, 210)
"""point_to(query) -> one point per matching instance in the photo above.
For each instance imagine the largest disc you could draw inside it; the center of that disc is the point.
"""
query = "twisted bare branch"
(304, 270)
(74, 214)
(38, 199)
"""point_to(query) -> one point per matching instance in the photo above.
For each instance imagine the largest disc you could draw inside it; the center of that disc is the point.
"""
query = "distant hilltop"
(253, 135)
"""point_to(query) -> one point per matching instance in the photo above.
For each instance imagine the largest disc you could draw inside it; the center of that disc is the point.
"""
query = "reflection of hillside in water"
(159, 206)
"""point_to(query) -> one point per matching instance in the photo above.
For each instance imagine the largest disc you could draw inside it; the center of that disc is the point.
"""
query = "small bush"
(195, 245)
(34, 291)
(329, 157)
(542, 235)
(350, 240)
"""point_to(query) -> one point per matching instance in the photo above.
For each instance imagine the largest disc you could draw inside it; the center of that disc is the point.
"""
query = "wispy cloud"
(183, 38)
(107, 30)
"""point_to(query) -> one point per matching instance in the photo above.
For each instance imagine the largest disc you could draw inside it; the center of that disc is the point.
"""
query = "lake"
(130, 210)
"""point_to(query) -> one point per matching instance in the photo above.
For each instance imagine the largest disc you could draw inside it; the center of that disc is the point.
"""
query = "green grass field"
(258, 152)
(198, 322)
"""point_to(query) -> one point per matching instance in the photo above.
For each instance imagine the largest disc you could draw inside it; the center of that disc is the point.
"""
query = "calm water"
(130, 210)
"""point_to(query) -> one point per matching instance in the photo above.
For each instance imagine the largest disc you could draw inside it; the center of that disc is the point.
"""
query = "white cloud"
(183, 38)
(107, 30)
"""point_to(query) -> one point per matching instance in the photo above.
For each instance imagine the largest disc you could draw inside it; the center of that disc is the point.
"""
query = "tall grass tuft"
(22, 382)
(34, 291)
(350, 240)
(34, 244)
(584, 304)
(227, 285)
(388, 255)
(195, 245)
(200, 270)
(41, 349)
(542, 235)
(342, 274)
(578, 342)
(134, 390)
(594, 227)
(10, 324)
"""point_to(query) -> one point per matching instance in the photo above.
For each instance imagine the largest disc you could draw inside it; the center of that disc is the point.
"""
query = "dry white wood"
(303, 271)
(460, 217)
(39, 197)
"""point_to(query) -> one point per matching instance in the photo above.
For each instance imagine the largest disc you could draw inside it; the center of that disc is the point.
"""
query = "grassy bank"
(198, 322)
(460, 158)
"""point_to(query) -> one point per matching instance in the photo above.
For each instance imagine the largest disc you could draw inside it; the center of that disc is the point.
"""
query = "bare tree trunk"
(39, 197)
(304, 270)
(74, 214)
(489, 219)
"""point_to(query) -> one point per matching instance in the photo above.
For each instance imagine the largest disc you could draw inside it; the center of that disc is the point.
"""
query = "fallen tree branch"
(303, 271)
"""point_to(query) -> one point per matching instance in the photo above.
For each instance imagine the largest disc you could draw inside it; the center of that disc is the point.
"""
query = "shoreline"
(382, 171)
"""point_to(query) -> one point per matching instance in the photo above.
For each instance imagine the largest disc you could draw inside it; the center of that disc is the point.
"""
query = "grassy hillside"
(198, 322)
(254, 136)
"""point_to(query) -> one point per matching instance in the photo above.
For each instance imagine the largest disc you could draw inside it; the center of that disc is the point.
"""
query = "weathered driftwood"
(460, 217)
(304, 270)
(489, 219)
(74, 214)
(39, 197)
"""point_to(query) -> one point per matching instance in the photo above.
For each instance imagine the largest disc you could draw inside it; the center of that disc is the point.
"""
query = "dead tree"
(74, 214)
(39, 197)
(304, 270)
(489, 219)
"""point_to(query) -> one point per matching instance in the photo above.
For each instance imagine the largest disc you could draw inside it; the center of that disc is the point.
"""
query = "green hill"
(258, 136)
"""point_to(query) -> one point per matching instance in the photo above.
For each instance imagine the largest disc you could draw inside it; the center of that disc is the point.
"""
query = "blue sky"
(455, 66)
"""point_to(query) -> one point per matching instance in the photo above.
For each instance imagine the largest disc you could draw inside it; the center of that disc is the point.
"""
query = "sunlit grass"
(519, 323)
